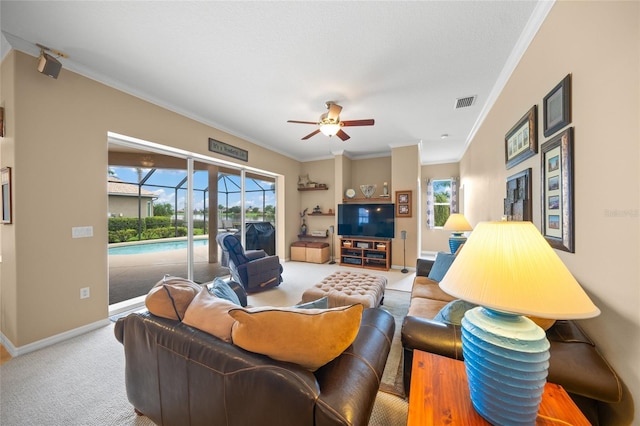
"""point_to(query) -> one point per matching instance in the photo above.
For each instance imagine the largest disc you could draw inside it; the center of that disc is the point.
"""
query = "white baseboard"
(17, 351)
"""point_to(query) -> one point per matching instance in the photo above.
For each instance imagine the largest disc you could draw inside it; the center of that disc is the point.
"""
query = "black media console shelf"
(365, 253)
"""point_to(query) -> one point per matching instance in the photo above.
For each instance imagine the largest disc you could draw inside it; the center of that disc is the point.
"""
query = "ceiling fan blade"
(303, 122)
(315, 132)
(334, 111)
(342, 135)
(368, 122)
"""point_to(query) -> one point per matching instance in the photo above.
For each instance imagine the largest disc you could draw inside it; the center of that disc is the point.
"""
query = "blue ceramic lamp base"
(455, 241)
(506, 358)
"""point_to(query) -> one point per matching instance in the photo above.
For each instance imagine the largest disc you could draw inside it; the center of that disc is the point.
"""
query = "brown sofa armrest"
(428, 336)
(576, 364)
(432, 336)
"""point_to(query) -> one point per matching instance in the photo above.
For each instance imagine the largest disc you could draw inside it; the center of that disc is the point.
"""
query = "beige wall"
(599, 44)
(435, 240)
(58, 132)
(406, 176)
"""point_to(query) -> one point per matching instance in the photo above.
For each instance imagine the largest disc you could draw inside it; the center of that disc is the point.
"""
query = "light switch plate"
(82, 231)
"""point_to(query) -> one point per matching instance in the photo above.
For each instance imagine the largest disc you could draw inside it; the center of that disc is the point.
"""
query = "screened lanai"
(237, 205)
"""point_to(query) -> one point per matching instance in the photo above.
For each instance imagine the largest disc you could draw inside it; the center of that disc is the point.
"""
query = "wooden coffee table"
(440, 396)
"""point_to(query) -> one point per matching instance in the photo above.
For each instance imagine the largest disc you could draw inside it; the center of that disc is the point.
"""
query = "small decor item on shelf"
(303, 227)
(303, 181)
(368, 190)
(350, 193)
(316, 210)
(385, 190)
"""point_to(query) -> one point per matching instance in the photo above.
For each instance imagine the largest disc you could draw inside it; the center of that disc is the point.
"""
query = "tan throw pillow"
(308, 337)
(170, 297)
(210, 313)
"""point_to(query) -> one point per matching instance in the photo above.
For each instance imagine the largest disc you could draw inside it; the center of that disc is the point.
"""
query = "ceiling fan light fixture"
(329, 129)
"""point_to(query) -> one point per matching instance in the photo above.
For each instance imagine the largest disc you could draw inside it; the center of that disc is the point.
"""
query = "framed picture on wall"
(403, 203)
(517, 203)
(521, 141)
(557, 191)
(556, 107)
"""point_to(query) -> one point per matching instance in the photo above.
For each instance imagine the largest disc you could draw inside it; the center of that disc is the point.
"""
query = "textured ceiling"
(248, 67)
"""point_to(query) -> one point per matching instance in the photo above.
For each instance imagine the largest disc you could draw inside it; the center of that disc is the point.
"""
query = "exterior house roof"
(116, 186)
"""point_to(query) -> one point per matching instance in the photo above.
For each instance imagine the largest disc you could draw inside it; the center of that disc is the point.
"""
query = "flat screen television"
(366, 220)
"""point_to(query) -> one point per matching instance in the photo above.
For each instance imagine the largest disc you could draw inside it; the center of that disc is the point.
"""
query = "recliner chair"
(252, 268)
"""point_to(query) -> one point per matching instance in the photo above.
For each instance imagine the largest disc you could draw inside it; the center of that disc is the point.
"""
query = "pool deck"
(133, 275)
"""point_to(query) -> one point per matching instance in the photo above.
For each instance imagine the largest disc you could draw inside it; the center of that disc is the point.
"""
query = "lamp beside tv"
(458, 224)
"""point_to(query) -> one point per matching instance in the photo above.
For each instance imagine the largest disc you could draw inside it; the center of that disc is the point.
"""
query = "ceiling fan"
(330, 123)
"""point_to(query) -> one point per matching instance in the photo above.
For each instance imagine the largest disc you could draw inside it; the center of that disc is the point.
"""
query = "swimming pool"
(155, 247)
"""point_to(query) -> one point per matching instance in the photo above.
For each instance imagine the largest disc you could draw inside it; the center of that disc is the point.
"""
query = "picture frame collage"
(556, 167)
(403, 203)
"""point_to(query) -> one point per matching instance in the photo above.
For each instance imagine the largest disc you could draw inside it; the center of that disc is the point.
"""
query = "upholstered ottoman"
(346, 288)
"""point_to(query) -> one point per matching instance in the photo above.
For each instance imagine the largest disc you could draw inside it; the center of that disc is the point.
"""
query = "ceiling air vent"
(464, 102)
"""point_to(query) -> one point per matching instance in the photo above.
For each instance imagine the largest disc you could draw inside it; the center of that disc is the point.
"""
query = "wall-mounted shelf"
(363, 199)
(317, 188)
(321, 214)
(313, 237)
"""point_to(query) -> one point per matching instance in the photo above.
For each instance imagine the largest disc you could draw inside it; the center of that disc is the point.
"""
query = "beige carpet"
(81, 381)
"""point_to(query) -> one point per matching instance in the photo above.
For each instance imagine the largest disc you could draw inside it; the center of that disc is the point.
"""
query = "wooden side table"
(440, 396)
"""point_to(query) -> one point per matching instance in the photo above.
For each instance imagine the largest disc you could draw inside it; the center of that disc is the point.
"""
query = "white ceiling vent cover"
(465, 102)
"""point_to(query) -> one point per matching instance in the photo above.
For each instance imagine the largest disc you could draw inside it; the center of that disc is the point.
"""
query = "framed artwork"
(5, 181)
(521, 141)
(556, 107)
(403, 203)
(517, 203)
(1, 121)
(557, 191)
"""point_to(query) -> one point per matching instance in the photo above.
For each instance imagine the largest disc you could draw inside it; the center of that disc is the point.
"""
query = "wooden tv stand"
(370, 253)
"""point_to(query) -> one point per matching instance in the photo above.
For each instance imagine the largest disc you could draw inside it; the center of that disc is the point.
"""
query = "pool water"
(154, 247)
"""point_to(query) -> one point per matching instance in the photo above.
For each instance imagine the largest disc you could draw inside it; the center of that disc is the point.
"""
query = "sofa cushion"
(441, 265)
(210, 313)
(220, 288)
(170, 297)
(308, 337)
(453, 312)
(426, 288)
(425, 308)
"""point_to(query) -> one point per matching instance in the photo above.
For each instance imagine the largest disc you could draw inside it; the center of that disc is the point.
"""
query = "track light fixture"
(47, 64)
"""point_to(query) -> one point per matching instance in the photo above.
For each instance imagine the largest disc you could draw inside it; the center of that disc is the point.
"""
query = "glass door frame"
(190, 157)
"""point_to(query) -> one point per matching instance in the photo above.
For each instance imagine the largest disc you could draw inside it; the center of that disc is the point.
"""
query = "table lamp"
(458, 224)
(510, 270)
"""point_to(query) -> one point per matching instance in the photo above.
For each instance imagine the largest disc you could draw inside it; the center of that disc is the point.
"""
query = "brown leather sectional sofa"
(178, 375)
(575, 362)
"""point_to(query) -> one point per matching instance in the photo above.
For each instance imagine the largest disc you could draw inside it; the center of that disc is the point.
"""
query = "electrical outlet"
(84, 293)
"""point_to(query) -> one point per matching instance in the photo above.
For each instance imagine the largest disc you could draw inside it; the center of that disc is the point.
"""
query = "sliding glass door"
(165, 212)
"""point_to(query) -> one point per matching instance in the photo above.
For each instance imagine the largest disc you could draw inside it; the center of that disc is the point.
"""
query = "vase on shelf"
(303, 228)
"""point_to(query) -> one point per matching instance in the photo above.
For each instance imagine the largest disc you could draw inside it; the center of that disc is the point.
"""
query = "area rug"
(397, 304)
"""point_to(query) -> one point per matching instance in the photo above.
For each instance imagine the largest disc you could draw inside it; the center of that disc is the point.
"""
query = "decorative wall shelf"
(363, 199)
(321, 214)
(313, 237)
(321, 188)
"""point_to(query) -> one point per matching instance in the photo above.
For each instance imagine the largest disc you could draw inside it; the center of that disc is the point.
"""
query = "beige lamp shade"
(457, 222)
(509, 266)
